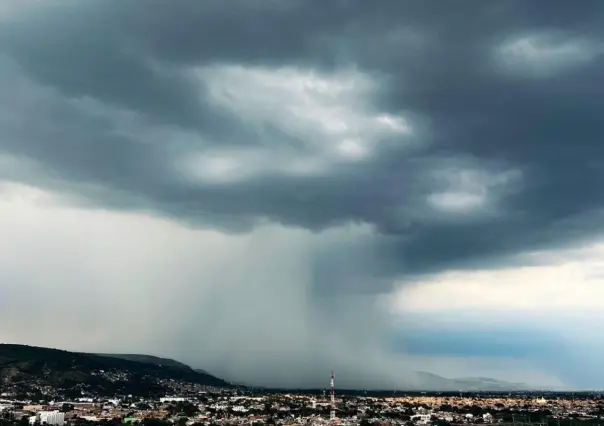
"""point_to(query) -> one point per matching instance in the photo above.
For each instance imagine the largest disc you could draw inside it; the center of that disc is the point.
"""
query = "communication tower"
(332, 392)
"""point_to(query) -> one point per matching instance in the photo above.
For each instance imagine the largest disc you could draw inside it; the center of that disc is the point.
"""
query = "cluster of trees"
(183, 409)
(8, 419)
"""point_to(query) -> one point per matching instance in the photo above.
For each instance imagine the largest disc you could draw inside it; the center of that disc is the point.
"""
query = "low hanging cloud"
(243, 186)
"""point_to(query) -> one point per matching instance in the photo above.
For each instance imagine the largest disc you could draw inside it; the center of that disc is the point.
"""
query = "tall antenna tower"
(332, 392)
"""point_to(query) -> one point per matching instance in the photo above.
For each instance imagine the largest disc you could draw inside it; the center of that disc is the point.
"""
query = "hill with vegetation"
(75, 373)
(150, 359)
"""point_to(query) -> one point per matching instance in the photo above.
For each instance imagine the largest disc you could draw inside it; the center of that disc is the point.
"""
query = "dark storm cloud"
(437, 61)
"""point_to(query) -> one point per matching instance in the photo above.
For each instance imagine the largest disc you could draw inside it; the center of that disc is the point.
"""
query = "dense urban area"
(190, 404)
(56, 387)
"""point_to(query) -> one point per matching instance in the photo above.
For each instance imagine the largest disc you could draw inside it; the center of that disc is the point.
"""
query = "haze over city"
(269, 190)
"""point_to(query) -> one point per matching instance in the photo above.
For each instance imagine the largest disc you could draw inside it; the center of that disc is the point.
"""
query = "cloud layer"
(237, 181)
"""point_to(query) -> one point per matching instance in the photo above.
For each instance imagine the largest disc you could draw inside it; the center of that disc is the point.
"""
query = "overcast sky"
(270, 189)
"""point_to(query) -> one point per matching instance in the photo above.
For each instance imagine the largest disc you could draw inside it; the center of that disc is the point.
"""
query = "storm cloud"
(342, 149)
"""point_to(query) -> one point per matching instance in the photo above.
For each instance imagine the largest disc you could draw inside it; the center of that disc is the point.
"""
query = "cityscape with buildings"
(193, 404)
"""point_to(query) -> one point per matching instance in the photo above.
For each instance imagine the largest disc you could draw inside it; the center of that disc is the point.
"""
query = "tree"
(156, 422)
(370, 413)
(66, 408)
(186, 408)
(476, 410)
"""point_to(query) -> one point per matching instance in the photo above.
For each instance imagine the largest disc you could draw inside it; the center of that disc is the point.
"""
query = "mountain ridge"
(431, 381)
(151, 359)
(32, 362)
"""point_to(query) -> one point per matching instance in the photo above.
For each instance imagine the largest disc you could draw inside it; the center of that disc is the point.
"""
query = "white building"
(55, 418)
(422, 418)
(172, 399)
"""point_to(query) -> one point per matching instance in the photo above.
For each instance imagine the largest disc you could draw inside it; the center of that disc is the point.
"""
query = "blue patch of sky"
(575, 363)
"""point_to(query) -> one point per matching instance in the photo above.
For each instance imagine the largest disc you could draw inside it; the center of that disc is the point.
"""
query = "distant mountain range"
(141, 373)
(429, 381)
